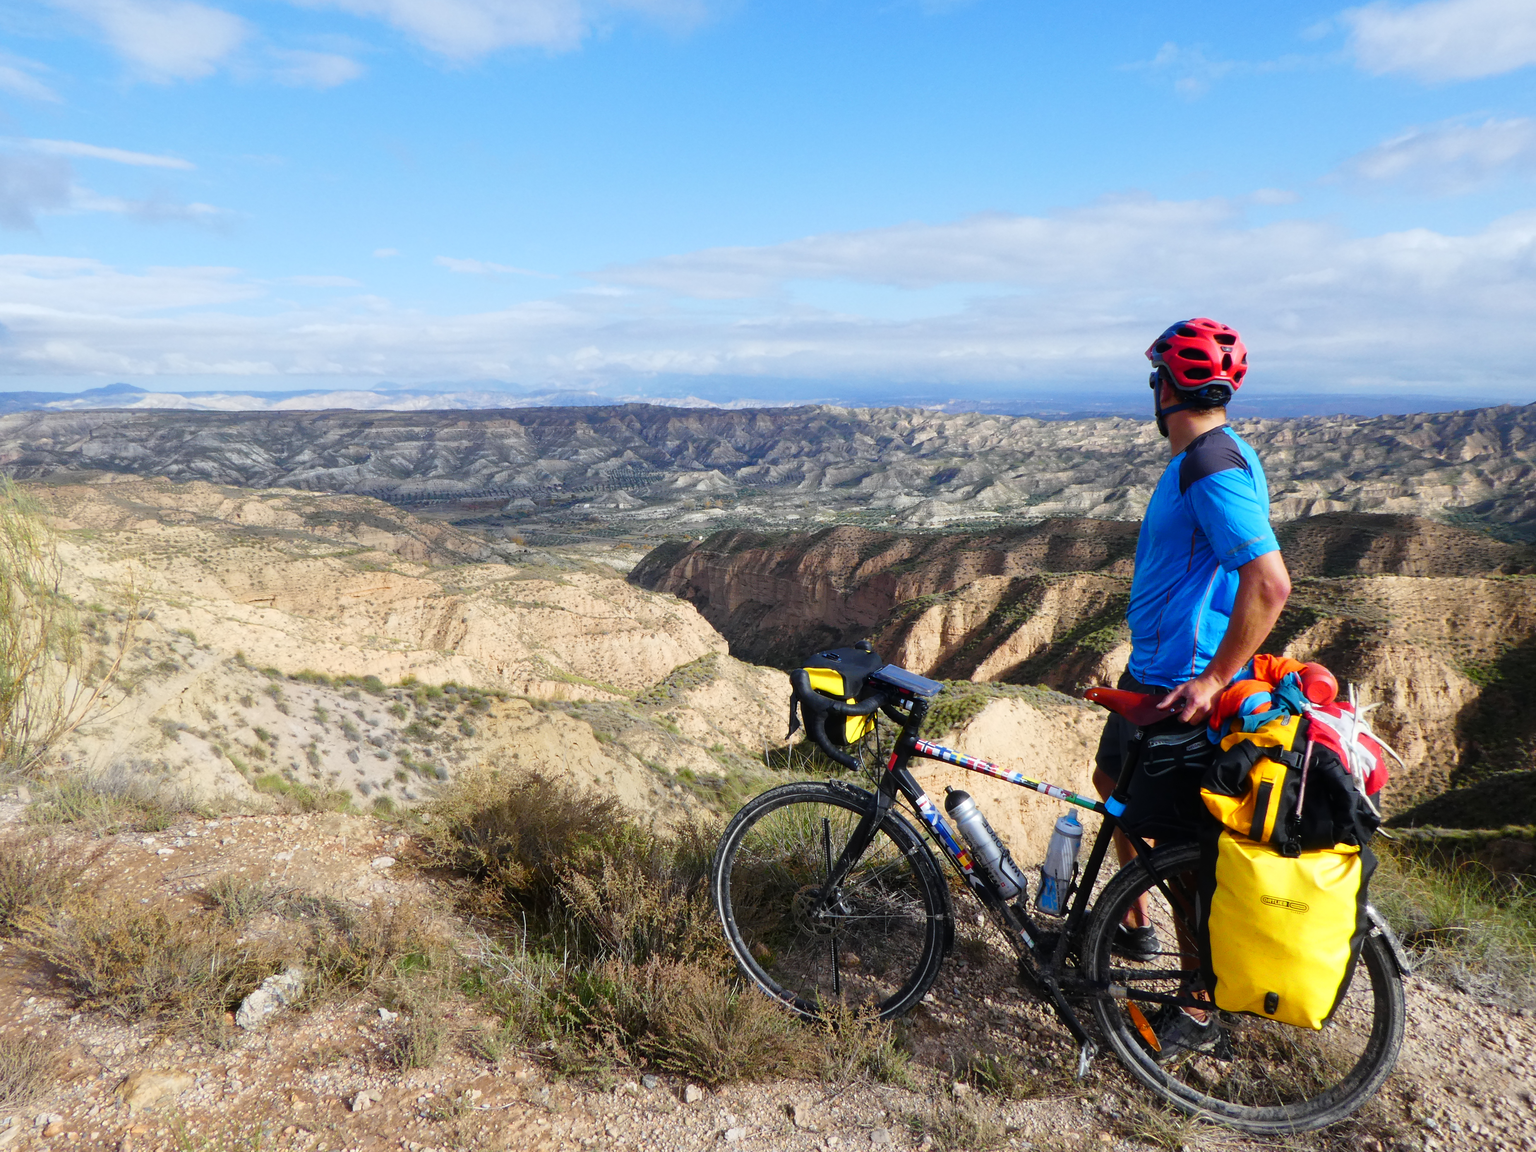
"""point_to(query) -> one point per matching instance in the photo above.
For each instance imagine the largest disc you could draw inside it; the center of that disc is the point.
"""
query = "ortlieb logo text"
(1288, 905)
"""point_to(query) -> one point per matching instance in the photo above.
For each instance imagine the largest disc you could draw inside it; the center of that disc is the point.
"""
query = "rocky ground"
(324, 1076)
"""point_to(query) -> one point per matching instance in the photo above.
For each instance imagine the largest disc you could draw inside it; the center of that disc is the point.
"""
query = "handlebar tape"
(815, 708)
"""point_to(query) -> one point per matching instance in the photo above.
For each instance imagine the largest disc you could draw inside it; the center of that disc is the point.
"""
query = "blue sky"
(738, 199)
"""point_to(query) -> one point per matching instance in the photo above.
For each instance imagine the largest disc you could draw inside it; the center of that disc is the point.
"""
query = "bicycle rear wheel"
(1263, 1076)
(875, 946)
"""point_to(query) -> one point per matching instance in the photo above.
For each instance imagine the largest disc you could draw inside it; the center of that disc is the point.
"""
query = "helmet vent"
(1198, 373)
(1225, 338)
(1193, 354)
(1186, 331)
(1162, 346)
(1226, 362)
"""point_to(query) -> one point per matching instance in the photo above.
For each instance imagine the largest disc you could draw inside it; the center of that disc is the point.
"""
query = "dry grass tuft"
(616, 957)
(108, 803)
(1464, 926)
(680, 1017)
(143, 963)
(27, 1065)
(955, 1127)
(425, 1026)
(36, 879)
(373, 949)
(1005, 1077)
(237, 898)
(1156, 1126)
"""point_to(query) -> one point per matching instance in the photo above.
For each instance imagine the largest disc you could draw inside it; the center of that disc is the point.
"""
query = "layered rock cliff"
(1432, 620)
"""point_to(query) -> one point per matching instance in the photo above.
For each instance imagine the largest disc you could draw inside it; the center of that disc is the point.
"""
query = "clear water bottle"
(1060, 867)
(990, 851)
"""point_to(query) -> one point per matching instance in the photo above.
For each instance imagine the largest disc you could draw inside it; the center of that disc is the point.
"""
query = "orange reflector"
(1142, 1026)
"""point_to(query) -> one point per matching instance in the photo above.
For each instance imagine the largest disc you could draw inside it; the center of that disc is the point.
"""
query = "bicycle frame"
(1048, 972)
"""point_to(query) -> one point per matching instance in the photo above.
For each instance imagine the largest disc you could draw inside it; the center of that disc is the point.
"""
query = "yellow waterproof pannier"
(841, 674)
(1281, 934)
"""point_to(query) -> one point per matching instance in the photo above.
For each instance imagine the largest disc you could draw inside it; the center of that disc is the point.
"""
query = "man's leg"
(1114, 746)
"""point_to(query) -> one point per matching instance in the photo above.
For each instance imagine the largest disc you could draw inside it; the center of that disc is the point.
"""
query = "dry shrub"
(424, 1027)
(518, 835)
(109, 802)
(594, 884)
(36, 878)
(855, 1045)
(27, 1064)
(146, 963)
(684, 1018)
(48, 685)
(617, 956)
(237, 898)
(375, 948)
(955, 1127)
(644, 896)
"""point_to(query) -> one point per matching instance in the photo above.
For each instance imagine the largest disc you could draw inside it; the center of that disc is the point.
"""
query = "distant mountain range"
(726, 393)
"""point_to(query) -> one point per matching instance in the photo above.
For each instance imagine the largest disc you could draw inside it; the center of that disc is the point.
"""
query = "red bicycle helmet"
(1203, 360)
(1201, 354)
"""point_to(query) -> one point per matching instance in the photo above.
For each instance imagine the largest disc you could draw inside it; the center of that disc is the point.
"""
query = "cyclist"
(1209, 581)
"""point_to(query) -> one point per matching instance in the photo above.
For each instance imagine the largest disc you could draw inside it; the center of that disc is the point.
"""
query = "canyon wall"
(1433, 621)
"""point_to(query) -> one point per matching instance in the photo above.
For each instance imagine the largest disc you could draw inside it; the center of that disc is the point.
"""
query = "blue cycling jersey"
(1207, 518)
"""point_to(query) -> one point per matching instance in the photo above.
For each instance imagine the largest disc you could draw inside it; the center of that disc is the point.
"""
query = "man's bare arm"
(1263, 586)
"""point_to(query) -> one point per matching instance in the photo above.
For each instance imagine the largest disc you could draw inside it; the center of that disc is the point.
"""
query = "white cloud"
(1444, 39)
(467, 29)
(165, 40)
(155, 209)
(385, 253)
(470, 29)
(1192, 70)
(1449, 158)
(469, 267)
(17, 79)
(91, 291)
(29, 185)
(1068, 300)
(96, 152)
(304, 69)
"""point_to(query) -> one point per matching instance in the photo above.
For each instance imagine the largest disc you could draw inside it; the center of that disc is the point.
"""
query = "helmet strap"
(1162, 413)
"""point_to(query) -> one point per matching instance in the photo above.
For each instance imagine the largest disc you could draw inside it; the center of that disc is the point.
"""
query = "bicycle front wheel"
(875, 944)
(1260, 1075)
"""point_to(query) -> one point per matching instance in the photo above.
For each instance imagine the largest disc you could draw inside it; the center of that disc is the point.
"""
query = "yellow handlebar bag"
(1281, 934)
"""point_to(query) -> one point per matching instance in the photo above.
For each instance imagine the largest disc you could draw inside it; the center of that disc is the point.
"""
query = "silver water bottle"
(990, 851)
